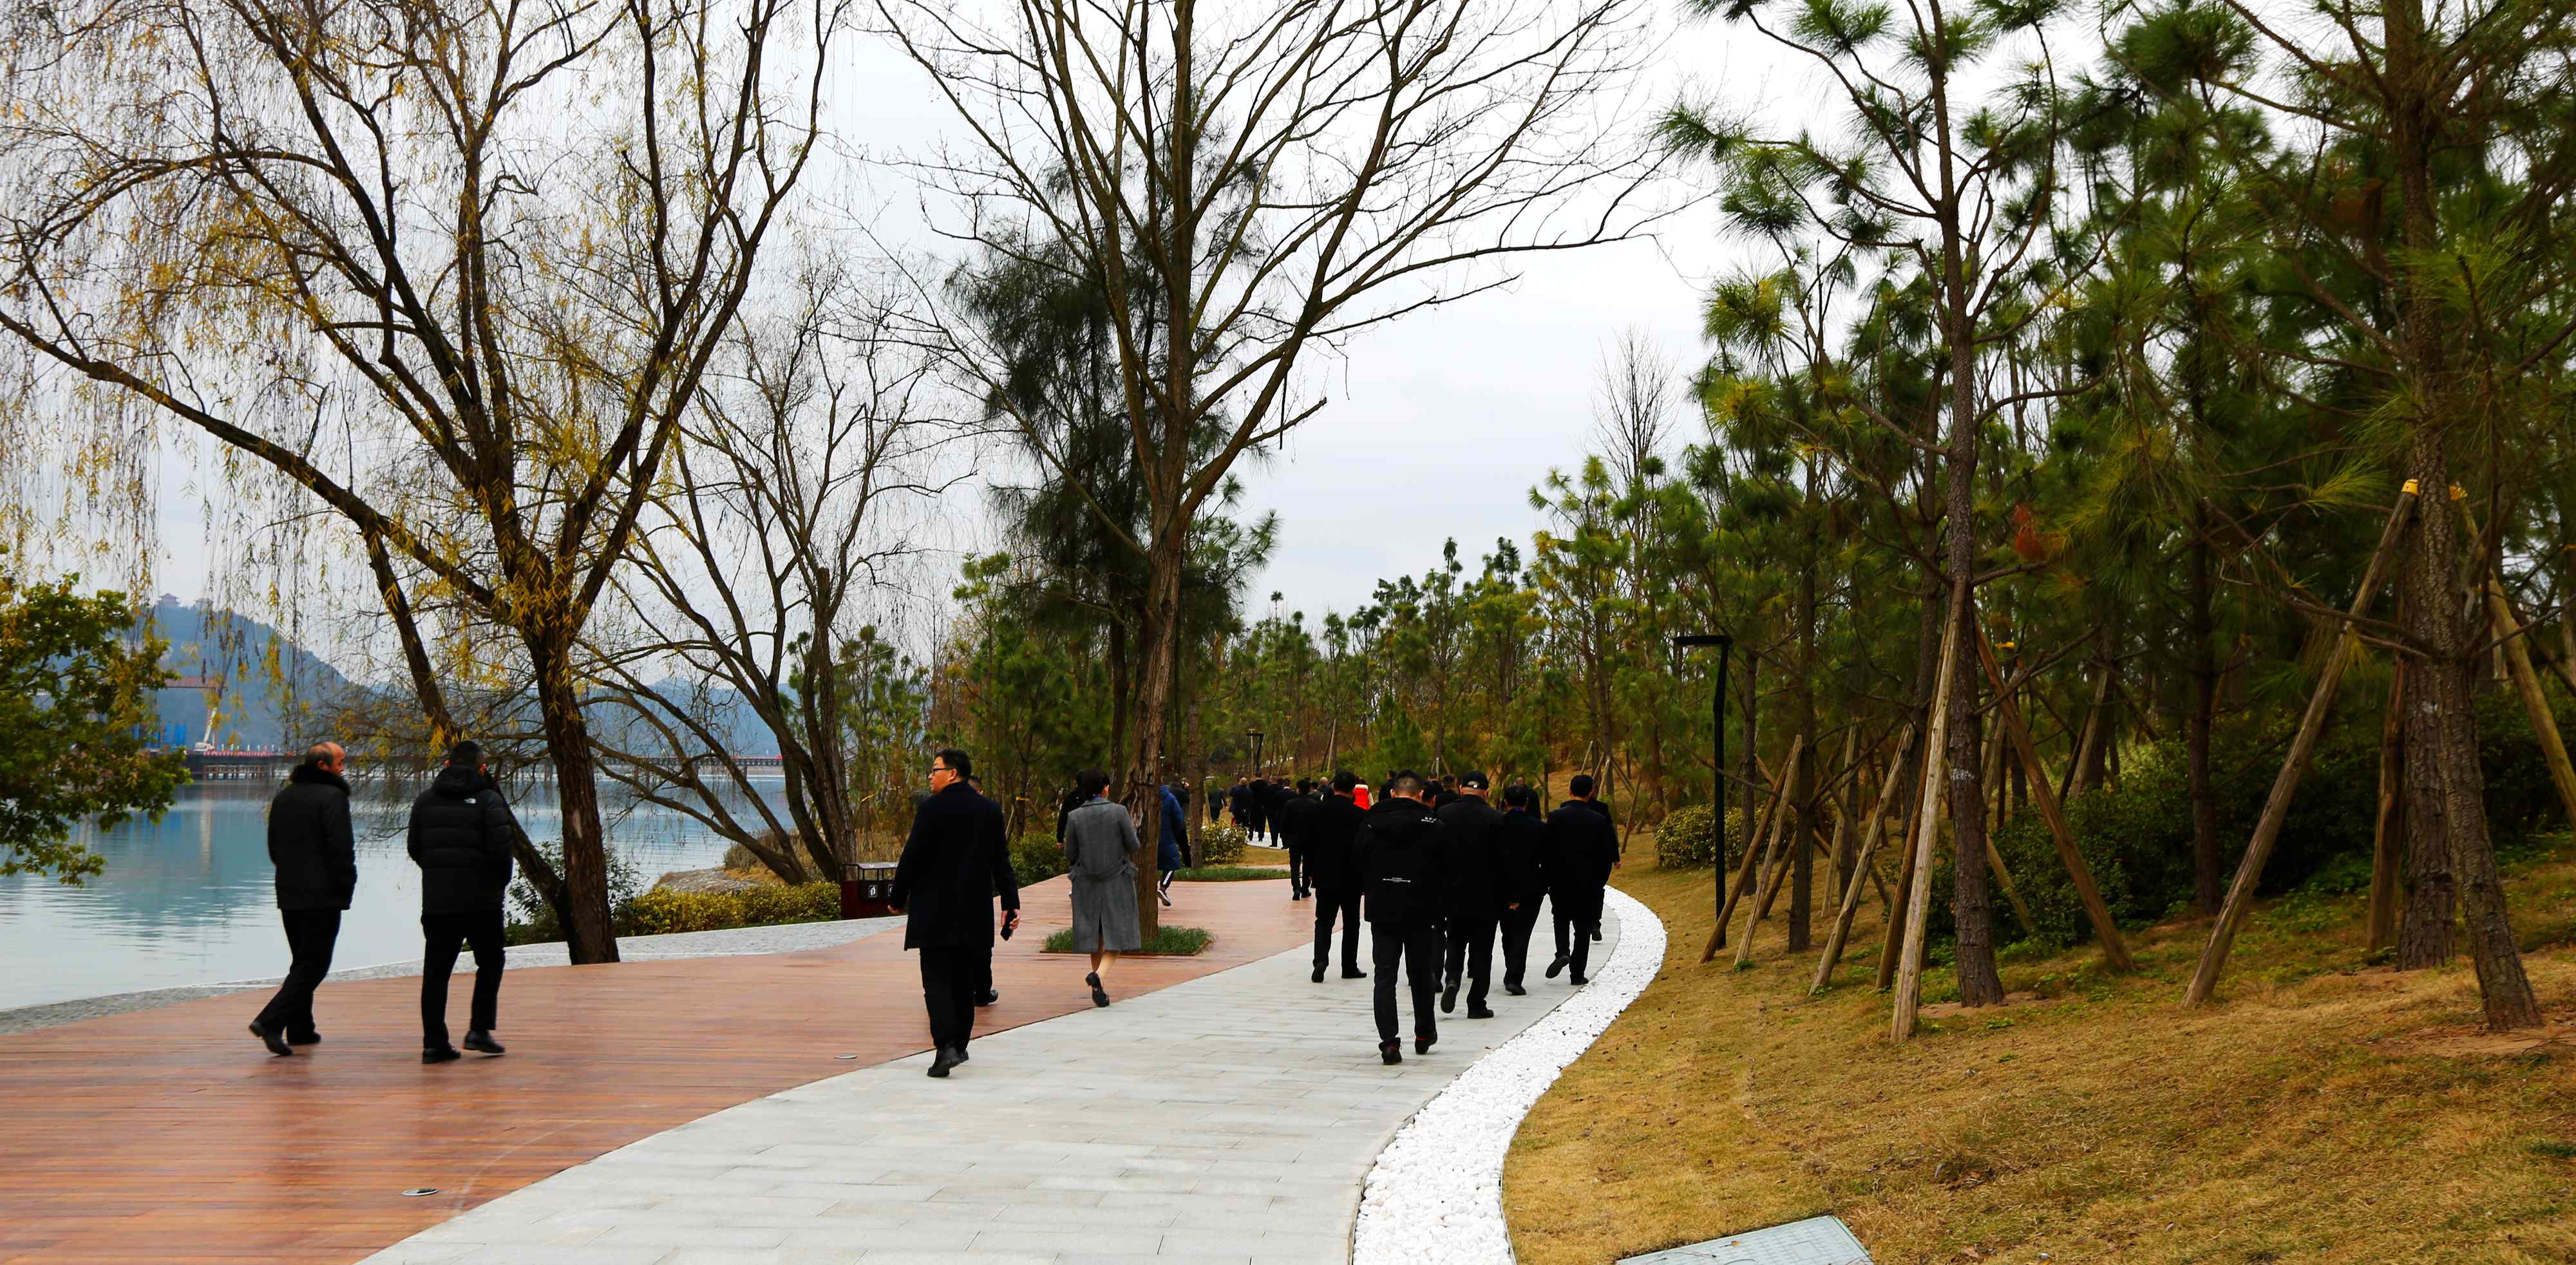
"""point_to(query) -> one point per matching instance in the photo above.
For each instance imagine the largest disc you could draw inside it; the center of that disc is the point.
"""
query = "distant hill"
(244, 684)
(241, 683)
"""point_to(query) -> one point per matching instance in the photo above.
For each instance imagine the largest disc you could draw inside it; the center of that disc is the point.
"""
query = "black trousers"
(1297, 873)
(1516, 926)
(445, 934)
(310, 935)
(1416, 948)
(1471, 954)
(950, 974)
(1578, 914)
(1329, 901)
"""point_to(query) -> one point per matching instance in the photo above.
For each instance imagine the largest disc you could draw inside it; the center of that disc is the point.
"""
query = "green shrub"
(665, 912)
(1227, 874)
(532, 921)
(1167, 941)
(1037, 857)
(1688, 838)
(1220, 844)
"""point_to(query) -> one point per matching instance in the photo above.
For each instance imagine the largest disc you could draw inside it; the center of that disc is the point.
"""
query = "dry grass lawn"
(2325, 1111)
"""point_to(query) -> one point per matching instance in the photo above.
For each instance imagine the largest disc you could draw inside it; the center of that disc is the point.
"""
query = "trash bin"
(868, 890)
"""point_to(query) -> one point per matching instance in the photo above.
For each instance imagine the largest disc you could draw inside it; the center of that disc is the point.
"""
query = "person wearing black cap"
(1334, 869)
(1520, 841)
(1475, 895)
(1582, 849)
(1404, 861)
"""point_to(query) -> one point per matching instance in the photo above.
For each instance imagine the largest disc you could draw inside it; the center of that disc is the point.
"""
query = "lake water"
(190, 900)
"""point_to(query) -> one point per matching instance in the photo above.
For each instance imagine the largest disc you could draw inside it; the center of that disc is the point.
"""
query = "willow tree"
(455, 270)
(1254, 184)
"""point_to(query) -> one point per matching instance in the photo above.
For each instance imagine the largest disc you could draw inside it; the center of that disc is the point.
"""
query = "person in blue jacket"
(1167, 854)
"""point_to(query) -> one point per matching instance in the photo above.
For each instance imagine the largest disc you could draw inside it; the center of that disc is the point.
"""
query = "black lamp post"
(1253, 736)
(1717, 729)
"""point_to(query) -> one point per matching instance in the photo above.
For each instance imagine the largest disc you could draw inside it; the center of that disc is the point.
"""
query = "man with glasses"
(316, 855)
(953, 862)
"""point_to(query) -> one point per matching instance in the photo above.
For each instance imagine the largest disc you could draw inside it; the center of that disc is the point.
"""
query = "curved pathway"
(1231, 1118)
(167, 1135)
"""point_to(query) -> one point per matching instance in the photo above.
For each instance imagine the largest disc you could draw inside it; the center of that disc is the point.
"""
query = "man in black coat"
(953, 862)
(460, 838)
(316, 855)
(1293, 813)
(1582, 849)
(1404, 864)
(1520, 841)
(1238, 803)
(1334, 869)
(1475, 895)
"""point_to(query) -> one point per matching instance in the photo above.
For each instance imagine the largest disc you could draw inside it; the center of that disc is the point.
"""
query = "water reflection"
(189, 900)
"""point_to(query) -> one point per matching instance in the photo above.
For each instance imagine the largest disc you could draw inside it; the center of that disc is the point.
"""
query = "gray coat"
(1099, 843)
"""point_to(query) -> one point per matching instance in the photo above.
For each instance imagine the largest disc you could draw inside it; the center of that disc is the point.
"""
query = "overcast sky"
(1438, 425)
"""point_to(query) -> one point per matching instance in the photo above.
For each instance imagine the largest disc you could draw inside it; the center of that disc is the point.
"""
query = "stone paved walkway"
(1231, 1118)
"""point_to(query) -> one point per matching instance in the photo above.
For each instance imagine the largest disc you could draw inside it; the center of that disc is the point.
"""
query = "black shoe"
(304, 1038)
(1390, 1052)
(1422, 1045)
(1579, 981)
(1162, 895)
(962, 1055)
(443, 1054)
(1099, 995)
(1553, 968)
(482, 1043)
(990, 996)
(1479, 1012)
(941, 1062)
(1348, 973)
(272, 1038)
(1449, 997)
(1319, 975)
(1514, 989)
(1596, 935)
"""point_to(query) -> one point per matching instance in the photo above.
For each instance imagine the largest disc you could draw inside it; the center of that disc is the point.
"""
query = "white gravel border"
(1436, 1191)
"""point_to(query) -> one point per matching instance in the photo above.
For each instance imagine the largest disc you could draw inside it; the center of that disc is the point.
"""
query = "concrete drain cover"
(1815, 1241)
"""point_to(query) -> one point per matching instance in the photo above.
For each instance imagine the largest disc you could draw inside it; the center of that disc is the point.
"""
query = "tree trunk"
(2207, 886)
(589, 931)
(1157, 656)
(1806, 793)
(1972, 904)
(2388, 836)
(1121, 695)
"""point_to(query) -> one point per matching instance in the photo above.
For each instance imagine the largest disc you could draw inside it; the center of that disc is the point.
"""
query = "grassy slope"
(2323, 1112)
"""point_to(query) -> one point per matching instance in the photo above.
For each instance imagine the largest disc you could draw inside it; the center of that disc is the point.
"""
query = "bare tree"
(454, 268)
(1253, 184)
(789, 516)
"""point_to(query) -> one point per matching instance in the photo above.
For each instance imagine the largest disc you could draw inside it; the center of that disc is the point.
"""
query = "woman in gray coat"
(1099, 842)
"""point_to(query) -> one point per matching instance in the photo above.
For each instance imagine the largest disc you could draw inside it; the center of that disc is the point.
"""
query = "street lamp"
(1253, 736)
(1717, 731)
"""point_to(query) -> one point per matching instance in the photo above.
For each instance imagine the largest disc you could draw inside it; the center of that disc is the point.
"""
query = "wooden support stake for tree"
(1775, 851)
(2003, 876)
(2526, 682)
(2097, 911)
(1893, 935)
(1862, 872)
(1752, 854)
(1918, 899)
(2388, 833)
(2303, 748)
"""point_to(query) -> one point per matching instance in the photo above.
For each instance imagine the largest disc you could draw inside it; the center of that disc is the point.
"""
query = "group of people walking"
(459, 835)
(1438, 873)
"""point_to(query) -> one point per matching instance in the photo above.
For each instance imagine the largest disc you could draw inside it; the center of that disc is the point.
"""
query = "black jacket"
(1475, 865)
(953, 862)
(460, 838)
(1294, 818)
(310, 843)
(1330, 833)
(1520, 840)
(1581, 848)
(1404, 864)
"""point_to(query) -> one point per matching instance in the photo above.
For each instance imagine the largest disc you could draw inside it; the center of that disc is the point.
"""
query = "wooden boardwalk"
(168, 1135)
